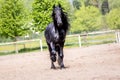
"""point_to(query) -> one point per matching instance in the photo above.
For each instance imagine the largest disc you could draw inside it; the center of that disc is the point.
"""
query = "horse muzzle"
(59, 24)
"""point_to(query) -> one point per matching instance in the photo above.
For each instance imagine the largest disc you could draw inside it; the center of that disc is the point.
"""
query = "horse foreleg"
(53, 52)
(52, 55)
(60, 58)
(52, 65)
(53, 59)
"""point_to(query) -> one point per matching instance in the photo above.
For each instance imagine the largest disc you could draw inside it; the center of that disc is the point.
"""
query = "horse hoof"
(53, 67)
(62, 67)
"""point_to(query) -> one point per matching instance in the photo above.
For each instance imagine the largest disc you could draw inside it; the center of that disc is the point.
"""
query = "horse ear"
(54, 6)
(59, 4)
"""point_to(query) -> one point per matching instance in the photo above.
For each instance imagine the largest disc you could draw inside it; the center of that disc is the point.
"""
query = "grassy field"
(70, 42)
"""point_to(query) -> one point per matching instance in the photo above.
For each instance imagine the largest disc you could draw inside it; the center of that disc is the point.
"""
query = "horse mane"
(64, 18)
(65, 21)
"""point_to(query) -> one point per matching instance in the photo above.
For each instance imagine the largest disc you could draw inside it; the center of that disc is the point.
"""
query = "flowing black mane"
(55, 35)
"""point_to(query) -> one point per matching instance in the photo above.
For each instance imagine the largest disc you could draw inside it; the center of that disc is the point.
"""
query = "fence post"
(41, 49)
(16, 47)
(79, 40)
(117, 36)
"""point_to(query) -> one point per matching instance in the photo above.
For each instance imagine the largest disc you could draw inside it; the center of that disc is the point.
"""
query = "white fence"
(22, 42)
(116, 33)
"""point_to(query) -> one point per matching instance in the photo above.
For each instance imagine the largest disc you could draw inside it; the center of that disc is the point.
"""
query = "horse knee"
(61, 56)
(53, 52)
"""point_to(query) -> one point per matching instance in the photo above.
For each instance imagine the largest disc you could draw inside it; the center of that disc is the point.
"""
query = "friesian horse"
(55, 34)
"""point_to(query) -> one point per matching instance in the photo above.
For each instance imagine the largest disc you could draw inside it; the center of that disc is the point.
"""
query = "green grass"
(70, 42)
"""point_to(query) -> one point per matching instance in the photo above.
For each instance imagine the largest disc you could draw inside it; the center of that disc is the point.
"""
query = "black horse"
(55, 35)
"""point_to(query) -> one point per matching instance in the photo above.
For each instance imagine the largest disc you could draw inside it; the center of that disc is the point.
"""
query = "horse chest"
(59, 35)
(62, 34)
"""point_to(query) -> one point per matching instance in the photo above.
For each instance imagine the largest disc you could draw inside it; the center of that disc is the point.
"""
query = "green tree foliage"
(28, 4)
(114, 4)
(12, 19)
(42, 10)
(76, 4)
(92, 2)
(113, 18)
(86, 19)
(105, 7)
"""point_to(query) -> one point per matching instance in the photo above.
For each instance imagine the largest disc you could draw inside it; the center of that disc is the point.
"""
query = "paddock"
(98, 62)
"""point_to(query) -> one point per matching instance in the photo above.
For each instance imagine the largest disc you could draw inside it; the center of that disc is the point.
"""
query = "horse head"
(57, 15)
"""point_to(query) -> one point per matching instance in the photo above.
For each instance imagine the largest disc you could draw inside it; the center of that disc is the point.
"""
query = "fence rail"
(79, 39)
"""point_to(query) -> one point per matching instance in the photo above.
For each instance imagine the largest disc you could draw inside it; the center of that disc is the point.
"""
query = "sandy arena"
(99, 62)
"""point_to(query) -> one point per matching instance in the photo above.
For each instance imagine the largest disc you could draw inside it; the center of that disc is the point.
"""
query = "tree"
(12, 19)
(92, 2)
(114, 4)
(76, 4)
(105, 7)
(86, 19)
(113, 18)
(42, 10)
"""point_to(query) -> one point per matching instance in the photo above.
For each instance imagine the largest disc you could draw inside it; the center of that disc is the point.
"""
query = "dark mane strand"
(65, 21)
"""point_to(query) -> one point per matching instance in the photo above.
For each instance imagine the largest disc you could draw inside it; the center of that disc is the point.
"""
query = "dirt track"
(100, 62)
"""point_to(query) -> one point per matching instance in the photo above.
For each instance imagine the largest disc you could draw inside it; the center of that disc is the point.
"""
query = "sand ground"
(99, 62)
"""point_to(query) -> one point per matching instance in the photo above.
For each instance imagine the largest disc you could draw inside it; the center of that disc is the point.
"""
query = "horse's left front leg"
(60, 57)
